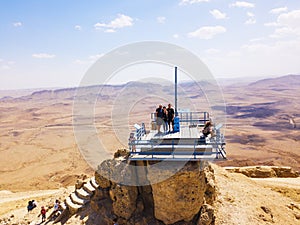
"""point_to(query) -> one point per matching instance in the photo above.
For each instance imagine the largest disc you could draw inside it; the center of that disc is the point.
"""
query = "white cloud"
(77, 27)
(279, 47)
(234, 54)
(95, 57)
(43, 56)
(271, 24)
(257, 39)
(161, 19)
(6, 65)
(17, 24)
(250, 14)
(120, 22)
(207, 32)
(218, 14)
(176, 36)
(291, 19)
(212, 51)
(243, 4)
(185, 2)
(288, 25)
(278, 10)
(257, 59)
(80, 62)
(91, 59)
(285, 32)
(109, 31)
(250, 21)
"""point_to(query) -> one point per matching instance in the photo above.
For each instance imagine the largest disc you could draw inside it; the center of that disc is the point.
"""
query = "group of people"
(165, 116)
(56, 209)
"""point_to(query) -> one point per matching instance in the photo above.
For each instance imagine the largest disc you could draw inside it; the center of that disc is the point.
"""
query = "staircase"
(78, 199)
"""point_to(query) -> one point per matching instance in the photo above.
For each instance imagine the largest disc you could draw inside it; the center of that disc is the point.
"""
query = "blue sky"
(52, 43)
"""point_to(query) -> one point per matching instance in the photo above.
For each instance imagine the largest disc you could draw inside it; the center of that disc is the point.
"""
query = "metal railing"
(194, 146)
(189, 117)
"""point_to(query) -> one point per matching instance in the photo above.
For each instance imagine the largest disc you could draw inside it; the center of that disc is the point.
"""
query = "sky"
(52, 43)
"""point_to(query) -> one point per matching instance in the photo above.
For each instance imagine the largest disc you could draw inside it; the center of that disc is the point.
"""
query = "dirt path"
(7, 196)
(13, 206)
(283, 182)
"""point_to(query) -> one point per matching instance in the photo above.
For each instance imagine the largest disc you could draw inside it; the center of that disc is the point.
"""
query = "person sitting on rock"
(208, 129)
(31, 205)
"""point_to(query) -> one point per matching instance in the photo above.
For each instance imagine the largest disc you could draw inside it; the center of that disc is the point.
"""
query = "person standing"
(43, 213)
(165, 118)
(159, 118)
(56, 209)
(171, 115)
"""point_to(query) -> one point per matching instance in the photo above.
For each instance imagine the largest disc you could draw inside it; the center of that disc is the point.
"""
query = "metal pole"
(176, 112)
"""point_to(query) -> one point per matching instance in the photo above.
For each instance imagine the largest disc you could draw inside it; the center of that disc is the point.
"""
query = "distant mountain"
(283, 82)
(194, 88)
(237, 81)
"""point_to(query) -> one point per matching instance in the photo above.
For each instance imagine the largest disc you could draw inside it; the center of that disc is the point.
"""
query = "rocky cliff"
(186, 197)
(265, 171)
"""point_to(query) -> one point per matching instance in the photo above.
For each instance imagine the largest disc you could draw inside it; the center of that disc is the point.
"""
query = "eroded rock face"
(124, 200)
(206, 216)
(185, 197)
(181, 196)
(264, 171)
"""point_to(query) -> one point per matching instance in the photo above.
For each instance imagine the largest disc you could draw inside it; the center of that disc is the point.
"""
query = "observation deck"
(187, 144)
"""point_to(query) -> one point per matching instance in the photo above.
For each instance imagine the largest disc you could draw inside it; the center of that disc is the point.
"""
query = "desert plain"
(39, 151)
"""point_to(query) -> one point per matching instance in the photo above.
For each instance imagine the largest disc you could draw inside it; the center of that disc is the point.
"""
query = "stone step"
(77, 200)
(63, 215)
(83, 194)
(89, 188)
(94, 182)
(63, 205)
(73, 207)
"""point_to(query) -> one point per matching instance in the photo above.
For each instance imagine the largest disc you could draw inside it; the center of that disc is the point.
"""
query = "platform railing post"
(176, 112)
(195, 149)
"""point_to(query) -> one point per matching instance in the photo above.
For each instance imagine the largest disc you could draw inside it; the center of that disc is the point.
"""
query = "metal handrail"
(189, 117)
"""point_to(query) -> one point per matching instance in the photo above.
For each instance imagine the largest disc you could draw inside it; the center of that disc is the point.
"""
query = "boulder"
(210, 191)
(258, 171)
(103, 173)
(285, 171)
(121, 153)
(184, 190)
(207, 215)
(264, 171)
(79, 183)
(124, 200)
(184, 196)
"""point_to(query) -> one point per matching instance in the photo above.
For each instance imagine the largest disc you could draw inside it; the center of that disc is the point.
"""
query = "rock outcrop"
(264, 171)
(186, 197)
(174, 196)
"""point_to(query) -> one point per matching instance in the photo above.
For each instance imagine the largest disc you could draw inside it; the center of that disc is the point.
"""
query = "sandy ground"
(13, 205)
(240, 200)
(38, 149)
(243, 200)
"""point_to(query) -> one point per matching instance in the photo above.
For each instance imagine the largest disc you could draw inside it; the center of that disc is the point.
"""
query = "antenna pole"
(176, 112)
